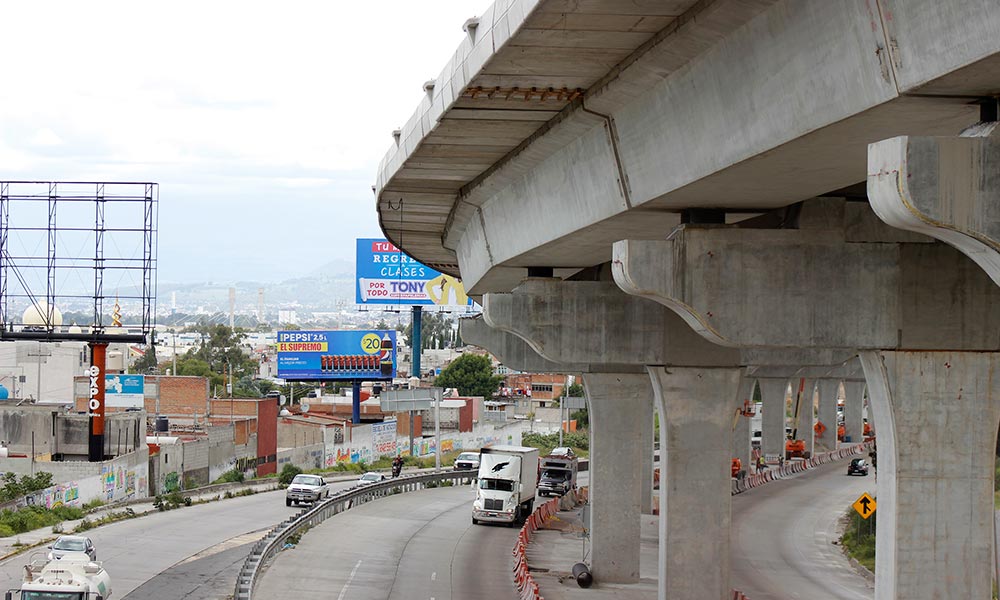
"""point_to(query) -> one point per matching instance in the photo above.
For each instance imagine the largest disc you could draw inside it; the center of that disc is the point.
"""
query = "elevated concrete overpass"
(614, 177)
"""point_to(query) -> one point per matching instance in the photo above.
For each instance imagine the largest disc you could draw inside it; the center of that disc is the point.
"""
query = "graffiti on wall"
(118, 483)
(63, 494)
(348, 455)
(171, 482)
(384, 442)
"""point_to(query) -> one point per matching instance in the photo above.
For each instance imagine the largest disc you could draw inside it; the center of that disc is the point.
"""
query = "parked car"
(372, 477)
(306, 488)
(65, 544)
(859, 466)
(467, 461)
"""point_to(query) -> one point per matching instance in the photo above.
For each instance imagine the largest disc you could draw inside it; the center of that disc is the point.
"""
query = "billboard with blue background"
(368, 354)
(387, 276)
(124, 391)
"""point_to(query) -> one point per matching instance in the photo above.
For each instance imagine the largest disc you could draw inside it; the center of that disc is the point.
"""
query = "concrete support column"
(937, 415)
(620, 405)
(741, 431)
(806, 418)
(828, 390)
(646, 423)
(695, 500)
(772, 395)
(854, 424)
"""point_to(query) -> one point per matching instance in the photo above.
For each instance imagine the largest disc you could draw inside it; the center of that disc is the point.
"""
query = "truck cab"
(73, 577)
(507, 483)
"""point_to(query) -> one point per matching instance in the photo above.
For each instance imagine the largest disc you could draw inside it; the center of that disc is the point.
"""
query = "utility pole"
(173, 370)
(40, 356)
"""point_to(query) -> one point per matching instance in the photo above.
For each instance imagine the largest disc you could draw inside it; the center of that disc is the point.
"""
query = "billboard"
(367, 354)
(124, 391)
(387, 276)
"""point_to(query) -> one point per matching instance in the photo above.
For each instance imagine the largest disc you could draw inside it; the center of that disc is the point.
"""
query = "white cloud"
(222, 103)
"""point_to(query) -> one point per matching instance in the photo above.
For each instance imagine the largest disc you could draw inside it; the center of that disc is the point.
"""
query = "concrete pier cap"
(839, 281)
(944, 187)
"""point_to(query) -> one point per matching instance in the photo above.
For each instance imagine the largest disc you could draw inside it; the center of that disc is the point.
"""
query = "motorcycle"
(397, 467)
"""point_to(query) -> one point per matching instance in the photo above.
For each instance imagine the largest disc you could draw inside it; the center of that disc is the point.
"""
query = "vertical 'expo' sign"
(95, 404)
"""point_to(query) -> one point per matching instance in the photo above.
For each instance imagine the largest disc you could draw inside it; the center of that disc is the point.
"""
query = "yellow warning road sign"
(865, 505)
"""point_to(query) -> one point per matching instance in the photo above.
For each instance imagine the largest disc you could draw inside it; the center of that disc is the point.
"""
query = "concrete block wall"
(123, 478)
(292, 435)
(195, 465)
(304, 457)
(122, 431)
(221, 450)
(18, 422)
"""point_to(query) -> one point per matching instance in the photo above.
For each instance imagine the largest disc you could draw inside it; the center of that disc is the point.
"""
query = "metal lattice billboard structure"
(83, 248)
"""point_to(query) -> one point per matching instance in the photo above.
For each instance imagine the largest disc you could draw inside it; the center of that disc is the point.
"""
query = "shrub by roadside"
(35, 517)
(859, 539)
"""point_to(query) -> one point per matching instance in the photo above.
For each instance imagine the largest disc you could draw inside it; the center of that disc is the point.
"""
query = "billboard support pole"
(98, 362)
(417, 343)
(356, 401)
(411, 434)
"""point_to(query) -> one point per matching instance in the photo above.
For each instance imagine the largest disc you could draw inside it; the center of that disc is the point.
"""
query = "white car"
(72, 543)
(371, 477)
(306, 488)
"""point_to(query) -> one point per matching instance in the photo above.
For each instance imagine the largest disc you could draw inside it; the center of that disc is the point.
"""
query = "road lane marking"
(349, 579)
(434, 577)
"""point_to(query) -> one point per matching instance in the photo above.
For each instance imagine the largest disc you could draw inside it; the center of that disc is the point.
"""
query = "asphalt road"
(413, 546)
(782, 538)
(183, 553)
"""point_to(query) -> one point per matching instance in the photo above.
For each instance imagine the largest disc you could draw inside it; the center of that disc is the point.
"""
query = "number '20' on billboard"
(356, 354)
(387, 276)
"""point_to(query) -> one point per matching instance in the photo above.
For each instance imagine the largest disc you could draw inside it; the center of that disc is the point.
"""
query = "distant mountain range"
(326, 287)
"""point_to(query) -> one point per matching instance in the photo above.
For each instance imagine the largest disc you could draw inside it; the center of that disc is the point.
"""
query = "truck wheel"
(288, 502)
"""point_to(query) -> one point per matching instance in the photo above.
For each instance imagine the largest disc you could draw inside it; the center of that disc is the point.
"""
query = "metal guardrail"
(268, 546)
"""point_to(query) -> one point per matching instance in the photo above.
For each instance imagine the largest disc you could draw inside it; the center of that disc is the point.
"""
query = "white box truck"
(507, 479)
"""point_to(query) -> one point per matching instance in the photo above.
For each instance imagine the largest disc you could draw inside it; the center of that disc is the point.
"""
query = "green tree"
(146, 363)
(11, 487)
(575, 390)
(472, 375)
(194, 367)
(221, 349)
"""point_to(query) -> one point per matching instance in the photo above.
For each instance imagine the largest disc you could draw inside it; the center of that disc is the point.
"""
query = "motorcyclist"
(397, 465)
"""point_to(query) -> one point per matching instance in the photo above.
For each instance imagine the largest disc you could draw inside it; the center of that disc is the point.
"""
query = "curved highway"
(172, 554)
(783, 534)
(412, 546)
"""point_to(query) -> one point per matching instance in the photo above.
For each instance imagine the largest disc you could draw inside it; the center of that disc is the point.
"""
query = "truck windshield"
(36, 595)
(502, 485)
(555, 475)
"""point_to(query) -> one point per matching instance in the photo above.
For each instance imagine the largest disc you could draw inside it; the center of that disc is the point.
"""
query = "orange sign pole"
(95, 407)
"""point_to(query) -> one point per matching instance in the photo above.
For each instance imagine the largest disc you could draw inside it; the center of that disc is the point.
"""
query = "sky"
(262, 122)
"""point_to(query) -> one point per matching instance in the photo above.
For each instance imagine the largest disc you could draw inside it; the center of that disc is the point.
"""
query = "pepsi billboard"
(355, 354)
(387, 276)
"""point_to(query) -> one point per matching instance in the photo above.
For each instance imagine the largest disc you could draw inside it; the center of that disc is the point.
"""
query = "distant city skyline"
(263, 126)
